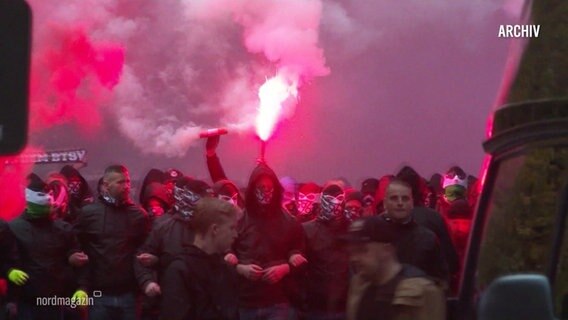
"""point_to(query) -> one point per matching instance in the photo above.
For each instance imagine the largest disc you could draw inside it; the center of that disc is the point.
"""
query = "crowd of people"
(277, 249)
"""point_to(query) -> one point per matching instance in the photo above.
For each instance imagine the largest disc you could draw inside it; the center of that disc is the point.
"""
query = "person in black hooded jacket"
(269, 247)
(47, 248)
(80, 193)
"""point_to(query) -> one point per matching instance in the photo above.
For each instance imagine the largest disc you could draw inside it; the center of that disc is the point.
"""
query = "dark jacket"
(436, 223)
(267, 236)
(109, 235)
(9, 256)
(215, 168)
(169, 236)
(199, 286)
(44, 246)
(409, 295)
(418, 246)
(327, 277)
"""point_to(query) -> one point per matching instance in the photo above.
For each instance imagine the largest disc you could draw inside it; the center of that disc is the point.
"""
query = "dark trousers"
(114, 307)
(31, 311)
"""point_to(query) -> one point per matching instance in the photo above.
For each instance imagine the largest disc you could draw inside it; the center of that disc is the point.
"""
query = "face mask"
(368, 200)
(264, 197)
(452, 193)
(306, 202)
(185, 201)
(331, 207)
(74, 188)
(352, 213)
(38, 204)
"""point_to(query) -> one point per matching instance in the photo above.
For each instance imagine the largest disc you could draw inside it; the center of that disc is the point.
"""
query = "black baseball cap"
(371, 229)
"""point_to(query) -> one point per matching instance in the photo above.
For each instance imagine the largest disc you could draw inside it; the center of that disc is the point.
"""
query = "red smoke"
(12, 185)
(71, 79)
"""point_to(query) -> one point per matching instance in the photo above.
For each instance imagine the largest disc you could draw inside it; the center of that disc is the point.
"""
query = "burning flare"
(273, 94)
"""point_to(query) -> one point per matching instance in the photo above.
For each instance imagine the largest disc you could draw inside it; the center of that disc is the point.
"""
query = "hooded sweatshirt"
(267, 237)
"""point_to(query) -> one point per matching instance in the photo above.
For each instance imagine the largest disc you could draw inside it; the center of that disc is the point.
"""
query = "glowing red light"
(273, 93)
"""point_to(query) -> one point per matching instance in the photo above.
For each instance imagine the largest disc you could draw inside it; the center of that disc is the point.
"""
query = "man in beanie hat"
(383, 287)
(169, 235)
(48, 249)
(308, 201)
(327, 278)
(110, 230)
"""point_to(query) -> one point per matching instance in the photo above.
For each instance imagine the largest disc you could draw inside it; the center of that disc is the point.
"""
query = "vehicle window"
(519, 227)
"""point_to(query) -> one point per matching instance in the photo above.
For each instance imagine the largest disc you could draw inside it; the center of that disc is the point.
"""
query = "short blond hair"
(209, 211)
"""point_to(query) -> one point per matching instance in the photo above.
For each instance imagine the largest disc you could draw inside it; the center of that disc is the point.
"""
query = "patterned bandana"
(331, 207)
(185, 201)
(264, 197)
(306, 202)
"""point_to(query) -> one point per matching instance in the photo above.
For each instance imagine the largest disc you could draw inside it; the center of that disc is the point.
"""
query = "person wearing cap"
(170, 234)
(110, 230)
(418, 245)
(382, 287)
(48, 249)
(327, 277)
(269, 250)
(354, 205)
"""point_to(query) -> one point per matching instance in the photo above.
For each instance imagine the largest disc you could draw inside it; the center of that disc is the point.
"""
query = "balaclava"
(308, 195)
(332, 202)
(263, 196)
(187, 192)
(353, 214)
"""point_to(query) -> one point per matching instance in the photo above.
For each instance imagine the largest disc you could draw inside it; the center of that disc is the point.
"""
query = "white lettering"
(501, 31)
(536, 30)
(73, 156)
(81, 154)
(55, 157)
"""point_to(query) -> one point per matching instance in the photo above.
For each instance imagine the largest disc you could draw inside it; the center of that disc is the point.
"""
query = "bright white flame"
(273, 93)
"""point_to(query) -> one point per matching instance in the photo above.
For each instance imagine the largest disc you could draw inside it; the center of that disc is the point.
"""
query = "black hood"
(85, 193)
(251, 204)
(154, 176)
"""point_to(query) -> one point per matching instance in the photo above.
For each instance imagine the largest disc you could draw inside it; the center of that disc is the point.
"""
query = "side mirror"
(519, 297)
(15, 36)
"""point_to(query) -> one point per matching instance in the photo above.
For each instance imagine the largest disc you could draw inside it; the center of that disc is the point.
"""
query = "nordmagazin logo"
(519, 30)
